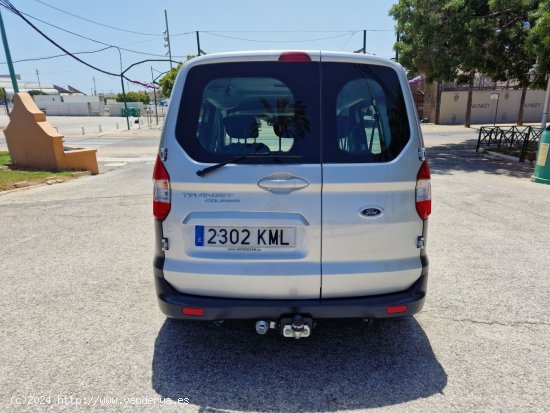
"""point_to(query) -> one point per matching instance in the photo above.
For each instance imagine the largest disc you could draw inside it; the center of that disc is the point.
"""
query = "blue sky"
(225, 26)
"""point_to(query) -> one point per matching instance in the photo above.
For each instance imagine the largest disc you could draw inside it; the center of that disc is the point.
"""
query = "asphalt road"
(80, 323)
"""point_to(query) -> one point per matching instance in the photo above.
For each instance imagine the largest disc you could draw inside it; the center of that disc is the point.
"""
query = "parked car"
(290, 187)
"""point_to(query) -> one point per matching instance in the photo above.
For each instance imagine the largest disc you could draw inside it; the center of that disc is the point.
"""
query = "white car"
(289, 187)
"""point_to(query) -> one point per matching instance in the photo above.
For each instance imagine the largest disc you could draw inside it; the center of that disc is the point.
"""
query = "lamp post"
(38, 77)
(532, 71)
(546, 104)
(123, 90)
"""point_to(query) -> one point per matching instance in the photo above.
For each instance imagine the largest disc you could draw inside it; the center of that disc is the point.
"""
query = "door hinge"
(420, 242)
(163, 154)
(422, 154)
(164, 243)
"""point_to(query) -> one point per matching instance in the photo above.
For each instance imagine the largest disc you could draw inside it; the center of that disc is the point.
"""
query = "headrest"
(241, 126)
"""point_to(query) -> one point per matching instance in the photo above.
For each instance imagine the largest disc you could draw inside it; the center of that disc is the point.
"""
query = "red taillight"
(161, 192)
(294, 57)
(192, 311)
(396, 309)
(424, 191)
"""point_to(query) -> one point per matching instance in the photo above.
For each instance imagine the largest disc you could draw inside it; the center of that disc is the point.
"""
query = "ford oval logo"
(371, 212)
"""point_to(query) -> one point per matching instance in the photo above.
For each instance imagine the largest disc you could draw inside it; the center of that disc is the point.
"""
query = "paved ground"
(80, 318)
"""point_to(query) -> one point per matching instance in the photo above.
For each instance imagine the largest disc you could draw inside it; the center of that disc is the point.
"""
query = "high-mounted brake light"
(294, 57)
(161, 192)
(424, 191)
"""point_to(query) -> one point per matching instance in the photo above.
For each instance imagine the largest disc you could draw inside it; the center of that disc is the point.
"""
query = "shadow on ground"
(344, 365)
(449, 158)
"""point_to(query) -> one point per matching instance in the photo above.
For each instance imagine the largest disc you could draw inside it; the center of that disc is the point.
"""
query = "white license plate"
(246, 237)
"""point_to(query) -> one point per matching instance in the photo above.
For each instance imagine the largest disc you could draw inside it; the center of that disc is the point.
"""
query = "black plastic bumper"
(171, 303)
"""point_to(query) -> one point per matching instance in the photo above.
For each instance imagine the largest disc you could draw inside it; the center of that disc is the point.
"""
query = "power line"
(80, 35)
(88, 38)
(34, 59)
(292, 31)
(347, 41)
(275, 41)
(98, 23)
(7, 4)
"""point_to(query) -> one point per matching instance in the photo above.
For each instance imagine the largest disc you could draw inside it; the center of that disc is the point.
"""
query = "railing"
(510, 137)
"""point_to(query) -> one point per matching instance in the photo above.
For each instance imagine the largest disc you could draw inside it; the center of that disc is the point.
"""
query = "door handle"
(282, 184)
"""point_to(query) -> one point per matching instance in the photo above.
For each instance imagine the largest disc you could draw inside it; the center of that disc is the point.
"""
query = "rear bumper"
(171, 303)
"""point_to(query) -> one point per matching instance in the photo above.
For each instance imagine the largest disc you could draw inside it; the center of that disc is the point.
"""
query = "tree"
(539, 40)
(167, 81)
(509, 56)
(134, 97)
(455, 39)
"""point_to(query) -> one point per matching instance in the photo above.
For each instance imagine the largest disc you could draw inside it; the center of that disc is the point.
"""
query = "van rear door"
(370, 164)
(250, 228)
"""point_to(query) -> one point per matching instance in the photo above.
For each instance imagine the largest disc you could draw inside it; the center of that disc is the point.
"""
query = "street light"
(546, 104)
(122, 72)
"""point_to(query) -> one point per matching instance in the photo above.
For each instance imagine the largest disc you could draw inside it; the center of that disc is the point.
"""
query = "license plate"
(246, 237)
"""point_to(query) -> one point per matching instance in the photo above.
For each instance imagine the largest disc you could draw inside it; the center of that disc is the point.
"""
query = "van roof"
(273, 55)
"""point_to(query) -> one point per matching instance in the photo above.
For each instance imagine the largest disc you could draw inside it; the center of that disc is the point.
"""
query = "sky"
(223, 25)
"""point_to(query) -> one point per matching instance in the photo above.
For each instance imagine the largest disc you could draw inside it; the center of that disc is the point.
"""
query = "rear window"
(263, 108)
(365, 114)
(275, 108)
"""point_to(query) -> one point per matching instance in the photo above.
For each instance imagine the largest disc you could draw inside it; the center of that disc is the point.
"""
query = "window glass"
(264, 109)
(366, 119)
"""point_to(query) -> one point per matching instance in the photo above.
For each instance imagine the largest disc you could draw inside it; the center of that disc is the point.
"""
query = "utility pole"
(38, 77)
(155, 95)
(364, 48)
(95, 89)
(198, 43)
(8, 56)
(167, 38)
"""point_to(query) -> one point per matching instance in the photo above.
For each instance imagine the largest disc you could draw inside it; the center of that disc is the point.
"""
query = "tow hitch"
(296, 327)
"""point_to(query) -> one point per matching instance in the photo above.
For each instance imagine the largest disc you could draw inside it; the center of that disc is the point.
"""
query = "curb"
(497, 155)
(75, 175)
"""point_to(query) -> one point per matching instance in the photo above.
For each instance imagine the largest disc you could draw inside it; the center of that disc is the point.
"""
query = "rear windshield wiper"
(204, 171)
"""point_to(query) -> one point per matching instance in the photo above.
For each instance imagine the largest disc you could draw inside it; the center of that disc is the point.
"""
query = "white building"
(24, 86)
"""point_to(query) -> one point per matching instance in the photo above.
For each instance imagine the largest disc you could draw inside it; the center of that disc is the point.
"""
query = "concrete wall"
(70, 105)
(453, 106)
(44, 100)
(80, 99)
(72, 109)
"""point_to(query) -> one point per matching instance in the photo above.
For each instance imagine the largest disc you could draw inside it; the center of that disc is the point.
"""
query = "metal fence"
(512, 137)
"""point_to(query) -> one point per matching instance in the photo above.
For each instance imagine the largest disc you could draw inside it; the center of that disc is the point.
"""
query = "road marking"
(94, 143)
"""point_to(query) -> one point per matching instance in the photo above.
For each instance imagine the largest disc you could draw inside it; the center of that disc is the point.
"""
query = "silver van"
(290, 187)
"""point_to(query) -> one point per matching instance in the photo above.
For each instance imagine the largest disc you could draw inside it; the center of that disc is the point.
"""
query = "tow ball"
(296, 327)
